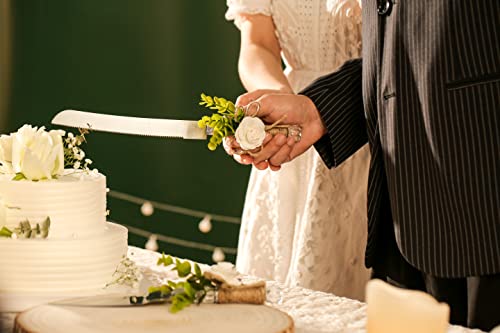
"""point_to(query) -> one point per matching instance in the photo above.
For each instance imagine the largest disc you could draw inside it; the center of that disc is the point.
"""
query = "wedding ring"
(299, 135)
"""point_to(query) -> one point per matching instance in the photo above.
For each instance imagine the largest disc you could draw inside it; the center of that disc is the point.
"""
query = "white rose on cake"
(33, 152)
(250, 133)
(6, 154)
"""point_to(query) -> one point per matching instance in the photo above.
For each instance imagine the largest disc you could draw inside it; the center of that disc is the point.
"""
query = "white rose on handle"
(36, 153)
(250, 133)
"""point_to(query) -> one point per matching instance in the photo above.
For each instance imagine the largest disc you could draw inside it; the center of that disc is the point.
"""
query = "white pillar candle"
(396, 310)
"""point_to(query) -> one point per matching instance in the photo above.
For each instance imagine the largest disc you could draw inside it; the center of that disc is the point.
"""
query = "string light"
(218, 255)
(152, 243)
(205, 225)
(172, 208)
(147, 208)
(180, 242)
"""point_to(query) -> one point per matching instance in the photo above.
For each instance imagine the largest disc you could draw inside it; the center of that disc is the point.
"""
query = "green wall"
(144, 58)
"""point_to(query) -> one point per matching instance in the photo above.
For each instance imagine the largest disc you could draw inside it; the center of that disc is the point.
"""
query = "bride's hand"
(233, 149)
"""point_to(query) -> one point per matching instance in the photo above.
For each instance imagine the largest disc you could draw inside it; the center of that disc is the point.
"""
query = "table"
(312, 311)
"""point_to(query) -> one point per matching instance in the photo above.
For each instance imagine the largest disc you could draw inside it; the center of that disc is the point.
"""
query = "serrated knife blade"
(186, 129)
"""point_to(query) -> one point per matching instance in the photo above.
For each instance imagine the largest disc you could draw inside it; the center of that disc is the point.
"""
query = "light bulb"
(152, 243)
(147, 208)
(218, 255)
(205, 225)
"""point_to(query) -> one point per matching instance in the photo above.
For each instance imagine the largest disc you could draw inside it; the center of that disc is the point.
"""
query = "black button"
(384, 7)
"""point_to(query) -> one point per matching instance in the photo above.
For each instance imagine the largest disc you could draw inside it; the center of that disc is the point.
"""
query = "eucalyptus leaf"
(183, 269)
(190, 292)
(19, 176)
(197, 270)
(5, 232)
(165, 261)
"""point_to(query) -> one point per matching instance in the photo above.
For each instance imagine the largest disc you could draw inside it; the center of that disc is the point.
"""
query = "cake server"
(112, 301)
(121, 300)
(173, 128)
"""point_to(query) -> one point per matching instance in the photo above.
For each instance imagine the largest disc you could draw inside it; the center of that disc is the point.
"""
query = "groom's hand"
(288, 109)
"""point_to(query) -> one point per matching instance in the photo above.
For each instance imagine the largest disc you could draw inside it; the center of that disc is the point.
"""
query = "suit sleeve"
(339, 100)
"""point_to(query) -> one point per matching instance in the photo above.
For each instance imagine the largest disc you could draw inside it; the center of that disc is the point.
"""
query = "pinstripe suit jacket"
(426, 96)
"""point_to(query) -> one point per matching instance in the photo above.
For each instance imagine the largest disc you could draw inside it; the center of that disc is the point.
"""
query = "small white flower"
(250, 133)
(70, 135)
(76, 151)
(76, 165)
(88, 161)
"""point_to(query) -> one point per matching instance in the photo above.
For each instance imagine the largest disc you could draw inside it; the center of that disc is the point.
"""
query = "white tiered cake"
(81, 251)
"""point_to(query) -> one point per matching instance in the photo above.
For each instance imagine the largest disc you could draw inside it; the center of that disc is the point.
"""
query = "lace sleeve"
(235, 7)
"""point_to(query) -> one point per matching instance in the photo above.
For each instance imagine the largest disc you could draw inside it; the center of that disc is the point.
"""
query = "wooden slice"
(206, 318)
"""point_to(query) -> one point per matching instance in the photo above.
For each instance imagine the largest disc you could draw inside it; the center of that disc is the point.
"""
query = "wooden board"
(207, 318)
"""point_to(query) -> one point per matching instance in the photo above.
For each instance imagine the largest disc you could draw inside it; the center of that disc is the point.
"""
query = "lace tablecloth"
(312, 311)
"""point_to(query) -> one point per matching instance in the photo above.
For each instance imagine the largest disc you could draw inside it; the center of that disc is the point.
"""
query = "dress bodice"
(315, 35)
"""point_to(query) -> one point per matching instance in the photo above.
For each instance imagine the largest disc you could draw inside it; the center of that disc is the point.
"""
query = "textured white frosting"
(82, 250)
(61, 265)
(75, 203)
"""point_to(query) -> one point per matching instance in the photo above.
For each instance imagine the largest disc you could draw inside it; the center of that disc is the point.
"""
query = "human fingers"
(270, 149)
(230, 145)
(274, 167)
(262, 165)
(249, 97)
(283, 155)
(244, 159)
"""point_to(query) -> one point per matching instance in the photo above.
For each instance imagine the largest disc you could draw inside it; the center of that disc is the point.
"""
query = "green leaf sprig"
(191, 290)
(223, 122)
(25, 230)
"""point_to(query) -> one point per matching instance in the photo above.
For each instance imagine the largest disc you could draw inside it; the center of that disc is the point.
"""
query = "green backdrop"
(144, 58)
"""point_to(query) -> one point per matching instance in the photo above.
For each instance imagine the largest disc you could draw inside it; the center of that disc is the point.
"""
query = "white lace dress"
(306, 225)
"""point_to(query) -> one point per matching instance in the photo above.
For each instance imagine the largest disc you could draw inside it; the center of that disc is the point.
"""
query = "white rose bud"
(36, 153)
(251, 133)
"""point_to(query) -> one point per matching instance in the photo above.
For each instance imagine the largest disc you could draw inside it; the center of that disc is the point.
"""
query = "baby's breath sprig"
(126, 274)
(224, 122)
(74, 156)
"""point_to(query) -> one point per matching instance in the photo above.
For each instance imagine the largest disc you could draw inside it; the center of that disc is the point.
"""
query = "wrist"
(314, 116)
(286, 90)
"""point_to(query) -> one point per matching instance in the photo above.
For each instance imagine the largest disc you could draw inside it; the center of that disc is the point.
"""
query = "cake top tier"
(33, 153)
(45, 180)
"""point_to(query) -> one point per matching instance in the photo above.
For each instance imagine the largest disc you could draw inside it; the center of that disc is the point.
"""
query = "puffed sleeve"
(235, 7)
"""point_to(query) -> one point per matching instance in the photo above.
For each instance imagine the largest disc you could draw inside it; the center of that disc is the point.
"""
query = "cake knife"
(116, 300)
(121, 300)
(169, 128)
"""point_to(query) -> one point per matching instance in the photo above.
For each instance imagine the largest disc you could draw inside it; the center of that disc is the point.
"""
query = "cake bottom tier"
(36, 270)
